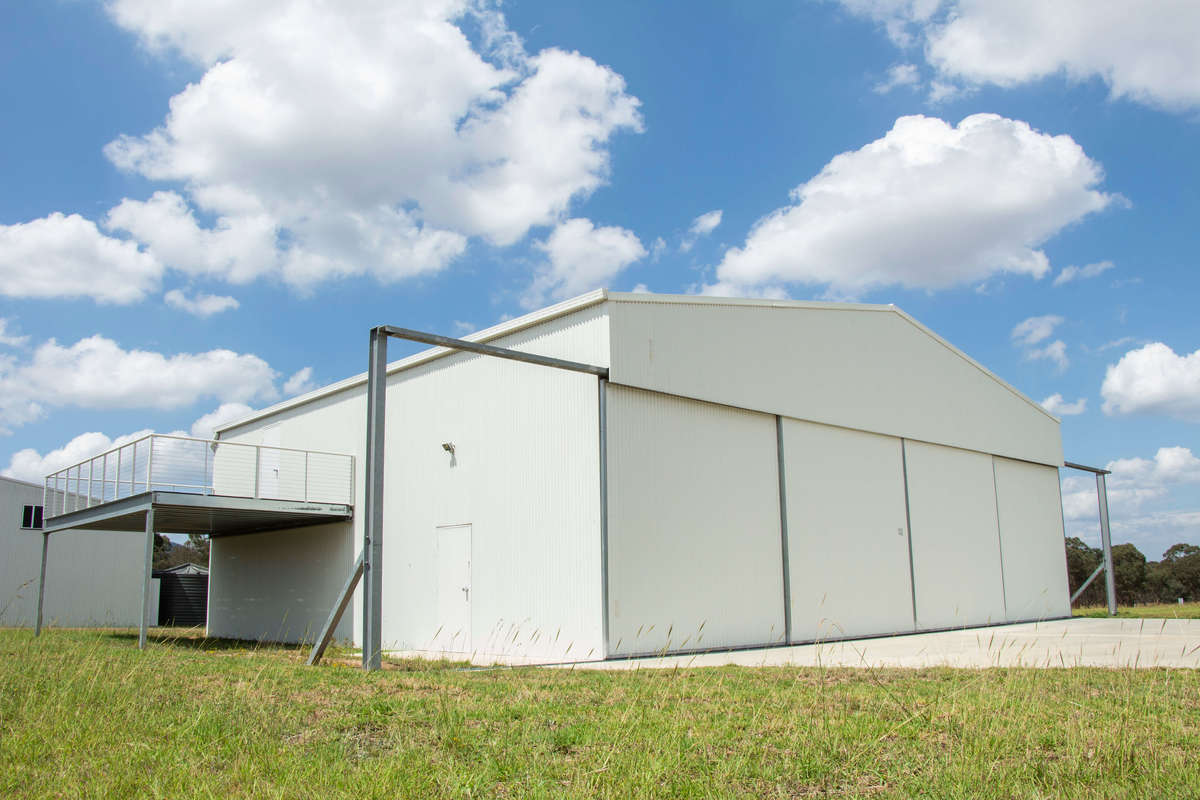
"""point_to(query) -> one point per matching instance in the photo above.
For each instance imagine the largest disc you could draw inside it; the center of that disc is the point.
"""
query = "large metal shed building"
(752, 472)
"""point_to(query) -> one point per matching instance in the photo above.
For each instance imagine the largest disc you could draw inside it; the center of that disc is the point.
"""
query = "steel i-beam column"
(147, 570)
(1110, 584)
(372, 656)
(37, 628)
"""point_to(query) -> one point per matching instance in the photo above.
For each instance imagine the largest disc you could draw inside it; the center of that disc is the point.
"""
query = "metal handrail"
(222, 442)
(75, 487)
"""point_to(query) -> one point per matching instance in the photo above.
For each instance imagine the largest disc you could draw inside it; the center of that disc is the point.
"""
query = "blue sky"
(207, 205)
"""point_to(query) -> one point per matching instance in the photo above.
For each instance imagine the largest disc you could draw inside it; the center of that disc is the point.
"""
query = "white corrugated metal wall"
(524, 475)
(847, 532)
(695, 534)
(92, 577)
(955, 537)
(694, 556)
(1031, 536)
(277, 586)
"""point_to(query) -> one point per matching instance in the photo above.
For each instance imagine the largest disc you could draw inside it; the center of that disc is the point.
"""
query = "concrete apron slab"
(1062, 643)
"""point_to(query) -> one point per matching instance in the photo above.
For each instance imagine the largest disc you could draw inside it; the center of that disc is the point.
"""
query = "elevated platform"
(179, 484)
(214, 515)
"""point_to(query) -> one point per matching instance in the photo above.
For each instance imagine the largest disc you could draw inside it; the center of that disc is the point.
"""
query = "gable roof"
(596, 297)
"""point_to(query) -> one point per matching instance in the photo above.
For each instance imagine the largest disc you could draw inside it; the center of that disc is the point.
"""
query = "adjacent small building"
(750, 473)
(93, 578)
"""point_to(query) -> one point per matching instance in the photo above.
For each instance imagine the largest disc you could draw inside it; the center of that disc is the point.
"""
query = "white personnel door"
(454, 588)
(268, 464)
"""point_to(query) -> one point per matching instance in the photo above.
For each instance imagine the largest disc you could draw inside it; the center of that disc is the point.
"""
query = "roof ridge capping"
(597, 296)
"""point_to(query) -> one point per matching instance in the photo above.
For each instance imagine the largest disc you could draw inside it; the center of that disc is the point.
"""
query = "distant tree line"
(1137, 580)
(170, 554)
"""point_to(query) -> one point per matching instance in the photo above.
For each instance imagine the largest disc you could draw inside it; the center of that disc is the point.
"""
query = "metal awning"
(215, 515)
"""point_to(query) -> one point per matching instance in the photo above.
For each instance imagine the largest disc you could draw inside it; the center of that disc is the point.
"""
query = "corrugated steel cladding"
(880, 422)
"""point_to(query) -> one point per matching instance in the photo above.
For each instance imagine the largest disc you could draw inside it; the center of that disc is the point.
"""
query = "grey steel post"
(37, 628)
(372, 655)
(783, 533)
(147, 569)
(1110, 584)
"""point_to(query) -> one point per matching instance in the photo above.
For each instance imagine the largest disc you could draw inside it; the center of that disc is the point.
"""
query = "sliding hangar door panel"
(1031, 538)
(694, 553)
(955, 540)
(847, 532)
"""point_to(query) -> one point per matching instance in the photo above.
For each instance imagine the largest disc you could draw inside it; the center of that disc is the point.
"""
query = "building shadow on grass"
(195, 639)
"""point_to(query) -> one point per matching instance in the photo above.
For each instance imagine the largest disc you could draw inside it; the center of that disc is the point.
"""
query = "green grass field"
(85, 714)
(1148, 611)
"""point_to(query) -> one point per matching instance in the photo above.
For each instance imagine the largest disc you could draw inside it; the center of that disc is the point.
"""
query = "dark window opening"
(31, 517)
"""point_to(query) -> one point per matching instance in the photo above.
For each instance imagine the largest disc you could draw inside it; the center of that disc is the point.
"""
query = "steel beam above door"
(372, 567)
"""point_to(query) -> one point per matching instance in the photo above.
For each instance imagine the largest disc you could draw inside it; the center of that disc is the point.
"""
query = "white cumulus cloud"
(1055, 352)
(930, 205)
(701, 226)
(203, 427)
(1072, 273)
(1029, 332)
(361, 137)
(67, 256)
(202, 305)
(1144, 51)
(899, 75)
(1154, 379)
(580, 257)
(706, 223)
(30, 465)
(300, 382)
(1034, 329)
(1134, 482)
(97, 373)
(1056, 405)
(9, 339)
(239, 248)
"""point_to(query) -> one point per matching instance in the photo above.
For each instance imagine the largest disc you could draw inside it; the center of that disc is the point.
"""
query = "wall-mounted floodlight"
(448, 447)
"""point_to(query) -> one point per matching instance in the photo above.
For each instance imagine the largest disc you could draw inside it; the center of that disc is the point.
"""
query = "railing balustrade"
(163, 462)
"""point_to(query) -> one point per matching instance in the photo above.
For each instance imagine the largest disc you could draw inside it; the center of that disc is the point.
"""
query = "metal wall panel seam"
(912, 571)
(999, 539)
(783, 532)
(602, 413)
